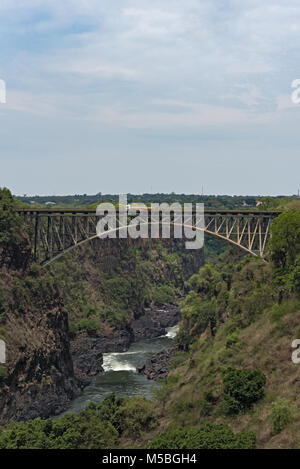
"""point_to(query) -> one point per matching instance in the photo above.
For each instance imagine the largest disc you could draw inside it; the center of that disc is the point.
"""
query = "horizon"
(155, 193)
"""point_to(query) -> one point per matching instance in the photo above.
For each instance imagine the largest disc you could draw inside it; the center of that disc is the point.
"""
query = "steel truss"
(55, 232)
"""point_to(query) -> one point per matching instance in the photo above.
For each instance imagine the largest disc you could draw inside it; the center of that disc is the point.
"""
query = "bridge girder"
(54, 232)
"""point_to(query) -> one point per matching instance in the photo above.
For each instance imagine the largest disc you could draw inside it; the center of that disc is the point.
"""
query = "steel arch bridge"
(54, 232)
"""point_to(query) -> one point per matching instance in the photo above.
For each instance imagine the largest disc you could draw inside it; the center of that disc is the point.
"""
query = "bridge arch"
(87, 240)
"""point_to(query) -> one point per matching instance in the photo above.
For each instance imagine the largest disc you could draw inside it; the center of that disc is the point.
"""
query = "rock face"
(37, 379)
(87, 358)
(154, 321)
(156, 366)
(40, 379)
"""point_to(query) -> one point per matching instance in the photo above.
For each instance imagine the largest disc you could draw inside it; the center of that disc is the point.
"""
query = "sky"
(150, 96)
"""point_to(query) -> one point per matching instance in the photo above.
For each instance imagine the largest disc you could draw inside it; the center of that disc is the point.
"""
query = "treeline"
(111, 424)
(211, 201)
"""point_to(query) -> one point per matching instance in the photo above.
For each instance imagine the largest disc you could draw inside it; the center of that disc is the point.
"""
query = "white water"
(120, 375)
(118, 361)
(127, 361)
(172, 331)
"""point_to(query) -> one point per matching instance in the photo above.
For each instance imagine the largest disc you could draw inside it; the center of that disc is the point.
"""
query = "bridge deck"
(93, 211)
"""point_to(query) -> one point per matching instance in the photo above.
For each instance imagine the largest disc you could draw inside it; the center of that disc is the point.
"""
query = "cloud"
(91, 67)
(164, 67)
(211, 55)
(149, 23)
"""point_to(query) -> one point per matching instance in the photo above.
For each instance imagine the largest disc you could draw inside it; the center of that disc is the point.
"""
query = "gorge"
(84, 335)
(99, 299)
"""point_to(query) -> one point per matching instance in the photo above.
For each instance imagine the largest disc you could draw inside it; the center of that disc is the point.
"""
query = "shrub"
(197, 315)
(85, 325)
(233, 340)
(163, 294)
(73, 328)
(207, 436)
(207, 403)
(162, 387)
(181, 406)
(241, 388)
(278, 311)
(68, 432)
(3, 374)
(281, 415)
(135, 416)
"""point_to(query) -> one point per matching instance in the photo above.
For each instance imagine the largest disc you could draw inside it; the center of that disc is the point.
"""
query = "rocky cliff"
(38, 378)
(156, 367)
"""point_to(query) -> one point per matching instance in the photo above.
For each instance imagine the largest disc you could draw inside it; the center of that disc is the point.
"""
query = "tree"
(8, 218)
(284, 244)
(241, 388)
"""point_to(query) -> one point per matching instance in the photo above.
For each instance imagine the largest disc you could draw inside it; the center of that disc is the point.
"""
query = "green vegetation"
(241, 290)
(279, 203)
(99, 426)
(211, 201)
(163, 294)
(281, 415)
(96, 297)
(93, 296)
(3, 374)
(285, 241)
(84, 325)
(207, 436)
(278, 311)
(3, 305)
(8, 218)
(285, 252)
(108, 424)
(241, 388)
(213, 248)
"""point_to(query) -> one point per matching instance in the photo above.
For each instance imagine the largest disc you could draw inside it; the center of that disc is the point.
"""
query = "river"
(120, 375)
